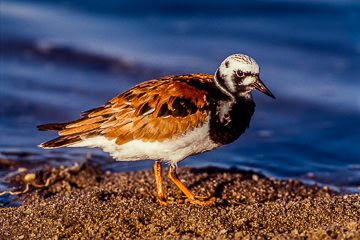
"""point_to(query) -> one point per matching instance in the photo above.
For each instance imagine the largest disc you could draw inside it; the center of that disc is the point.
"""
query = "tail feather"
(52, 127)
(70, 132)
(61, 141)
(57, 126)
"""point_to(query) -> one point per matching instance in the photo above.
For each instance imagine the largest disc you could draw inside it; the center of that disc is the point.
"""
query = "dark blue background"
(60, 58)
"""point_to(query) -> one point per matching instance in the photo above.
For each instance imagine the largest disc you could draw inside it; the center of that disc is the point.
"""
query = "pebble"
(255, 177)
(29, 177)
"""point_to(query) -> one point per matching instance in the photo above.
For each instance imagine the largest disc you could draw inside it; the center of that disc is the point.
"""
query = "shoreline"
(84, 202)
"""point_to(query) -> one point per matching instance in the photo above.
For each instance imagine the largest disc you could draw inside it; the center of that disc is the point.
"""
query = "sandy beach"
(84, 202)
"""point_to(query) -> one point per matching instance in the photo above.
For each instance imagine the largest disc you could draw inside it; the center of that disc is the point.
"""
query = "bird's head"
(238, 74)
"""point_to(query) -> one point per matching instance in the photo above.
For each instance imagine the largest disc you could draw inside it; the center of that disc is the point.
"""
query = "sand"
(84, 202)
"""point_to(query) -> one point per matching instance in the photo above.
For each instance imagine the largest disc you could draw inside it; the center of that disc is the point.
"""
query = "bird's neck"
(230, 119)
(222, 88)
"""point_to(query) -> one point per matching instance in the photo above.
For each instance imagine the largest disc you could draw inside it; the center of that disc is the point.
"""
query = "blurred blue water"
(58, 59)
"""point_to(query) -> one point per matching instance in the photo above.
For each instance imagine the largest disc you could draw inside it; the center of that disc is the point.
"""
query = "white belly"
(174, 150)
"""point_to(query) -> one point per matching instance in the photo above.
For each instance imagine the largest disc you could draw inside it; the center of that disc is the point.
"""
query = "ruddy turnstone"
(170, 118)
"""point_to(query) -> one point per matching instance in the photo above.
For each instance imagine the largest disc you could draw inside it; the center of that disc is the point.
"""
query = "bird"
(169, 119)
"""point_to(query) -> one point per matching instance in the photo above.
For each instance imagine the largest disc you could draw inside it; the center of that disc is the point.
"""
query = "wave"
(71, 56)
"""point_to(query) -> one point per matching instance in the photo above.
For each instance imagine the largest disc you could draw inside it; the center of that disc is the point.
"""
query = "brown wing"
(154, 110)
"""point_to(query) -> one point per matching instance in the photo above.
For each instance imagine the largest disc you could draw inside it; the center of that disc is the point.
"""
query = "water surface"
(58, 59)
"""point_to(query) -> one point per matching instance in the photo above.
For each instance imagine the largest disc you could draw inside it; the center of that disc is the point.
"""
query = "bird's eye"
(240, 74)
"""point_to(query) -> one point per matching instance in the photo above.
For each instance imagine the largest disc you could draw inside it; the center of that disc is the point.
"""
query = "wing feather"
(155, 110)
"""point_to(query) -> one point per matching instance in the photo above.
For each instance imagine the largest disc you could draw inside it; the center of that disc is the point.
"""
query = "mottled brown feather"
(154, 110)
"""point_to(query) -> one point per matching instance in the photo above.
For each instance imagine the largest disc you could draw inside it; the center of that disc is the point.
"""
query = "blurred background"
(59, 58)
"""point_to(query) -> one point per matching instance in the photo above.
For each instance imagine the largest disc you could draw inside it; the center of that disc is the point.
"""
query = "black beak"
(259, 85)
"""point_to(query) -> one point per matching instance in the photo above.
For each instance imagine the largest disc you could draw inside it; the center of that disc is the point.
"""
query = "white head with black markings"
(238, 75)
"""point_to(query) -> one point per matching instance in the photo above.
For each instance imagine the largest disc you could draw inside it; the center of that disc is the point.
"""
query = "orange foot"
(173, 176)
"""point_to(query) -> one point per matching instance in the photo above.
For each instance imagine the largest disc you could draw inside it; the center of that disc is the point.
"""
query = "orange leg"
(159, 185)
(188, 194)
